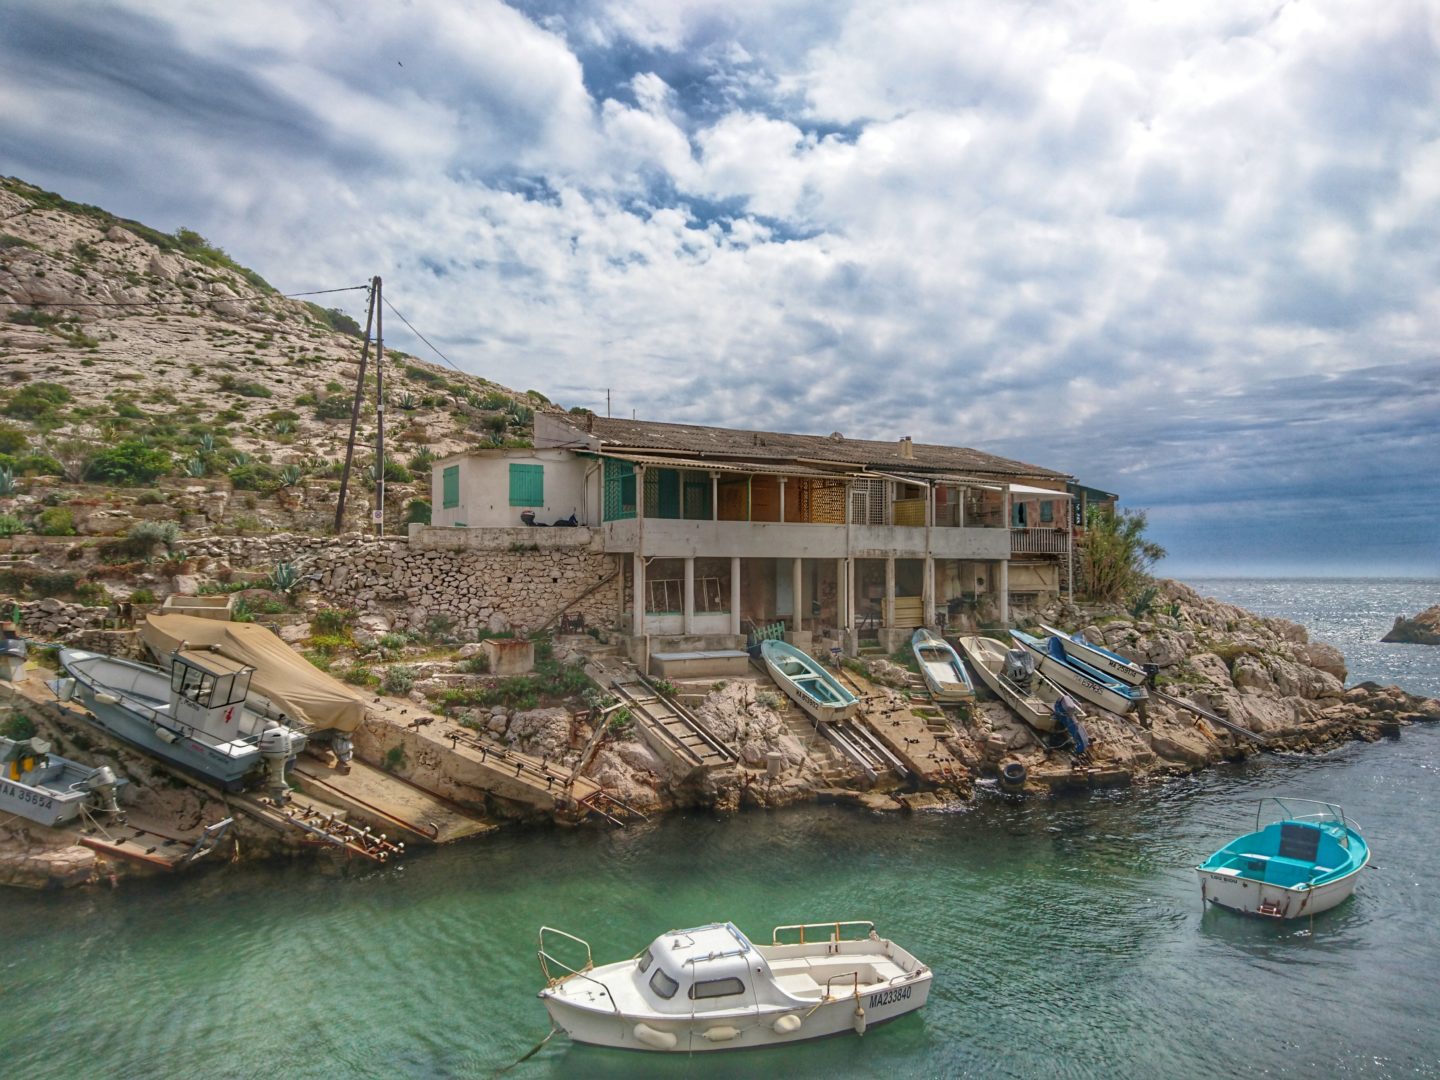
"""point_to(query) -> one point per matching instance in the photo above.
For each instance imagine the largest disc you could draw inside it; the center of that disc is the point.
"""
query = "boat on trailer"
(1011, 676)
(1304, 861)
(194, 717)
(941, 668)
(52, 790)
(710, 988)
(1077, 677)
(807, 683)
(1079, 648)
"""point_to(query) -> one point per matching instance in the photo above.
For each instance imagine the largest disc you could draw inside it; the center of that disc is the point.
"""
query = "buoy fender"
(723, 1033)
(660, 1040)
(787, 1024)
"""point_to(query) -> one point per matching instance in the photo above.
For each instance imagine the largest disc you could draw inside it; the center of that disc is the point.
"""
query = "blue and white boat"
(1306, 860)
(1112, 664)
(49, 789)
(807, 683)
(941, 668)
(1079, 678)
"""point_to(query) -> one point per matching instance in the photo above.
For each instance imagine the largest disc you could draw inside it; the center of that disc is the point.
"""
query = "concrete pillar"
(689, 623)
(620, 612)
(845, 581)
(927, 591)
(797, 589)
(637, 615)
(735, 594)
(1005, 591)
(782, 500)
(889, 619)
(714, 496)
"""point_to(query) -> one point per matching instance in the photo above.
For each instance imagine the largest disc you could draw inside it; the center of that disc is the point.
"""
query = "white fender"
(859, 1020)
(787, 1023)
(723, 1033)
(660, 1040)
(107, 699)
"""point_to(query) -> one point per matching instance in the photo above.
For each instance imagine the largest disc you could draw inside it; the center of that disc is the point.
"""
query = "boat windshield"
(647, 960)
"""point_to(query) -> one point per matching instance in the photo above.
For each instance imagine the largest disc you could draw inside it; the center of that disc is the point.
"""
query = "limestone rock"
(1423, 629)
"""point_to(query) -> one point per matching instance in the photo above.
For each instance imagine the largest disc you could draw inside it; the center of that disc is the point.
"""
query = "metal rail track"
(674, 725)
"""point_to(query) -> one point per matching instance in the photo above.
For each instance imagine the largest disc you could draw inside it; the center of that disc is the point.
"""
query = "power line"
(422, 337)
(175, 303)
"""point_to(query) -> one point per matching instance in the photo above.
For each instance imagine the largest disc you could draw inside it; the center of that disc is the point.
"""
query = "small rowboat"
(1298, 864)
(941, 668)
(1011, 676)
(811, 687)
(1077, 677)
(709, 988)
(1112, 664)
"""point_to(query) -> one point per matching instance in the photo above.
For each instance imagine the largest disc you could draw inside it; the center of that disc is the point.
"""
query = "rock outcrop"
(1423, 629)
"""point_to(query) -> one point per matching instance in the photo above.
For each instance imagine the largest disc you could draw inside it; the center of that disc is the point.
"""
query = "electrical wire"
(421, 336)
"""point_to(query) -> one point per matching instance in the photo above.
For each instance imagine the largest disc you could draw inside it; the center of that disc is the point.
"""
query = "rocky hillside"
(133, 360)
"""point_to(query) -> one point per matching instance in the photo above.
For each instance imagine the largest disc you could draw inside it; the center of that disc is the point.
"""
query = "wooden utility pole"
(379, 412)
(355, 408)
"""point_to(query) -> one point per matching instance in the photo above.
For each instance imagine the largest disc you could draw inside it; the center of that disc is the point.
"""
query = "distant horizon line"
(1211, 576)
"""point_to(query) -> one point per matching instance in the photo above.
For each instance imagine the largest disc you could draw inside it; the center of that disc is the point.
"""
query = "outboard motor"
(101, 784)
(277, 747)
(344, 749)
(1019, 666)
(1067, 717)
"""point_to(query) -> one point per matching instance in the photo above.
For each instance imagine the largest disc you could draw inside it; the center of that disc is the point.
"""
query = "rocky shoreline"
(1263, 674)
(1423, 629)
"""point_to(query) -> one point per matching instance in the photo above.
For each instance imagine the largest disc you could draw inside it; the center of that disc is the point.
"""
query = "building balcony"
(678, 538)
(1041, 541)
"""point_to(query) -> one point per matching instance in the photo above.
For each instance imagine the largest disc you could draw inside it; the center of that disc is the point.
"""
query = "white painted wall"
(485, 488)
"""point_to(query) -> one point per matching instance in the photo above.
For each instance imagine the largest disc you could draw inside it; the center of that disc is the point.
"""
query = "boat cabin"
(208, 693)
(702, 969)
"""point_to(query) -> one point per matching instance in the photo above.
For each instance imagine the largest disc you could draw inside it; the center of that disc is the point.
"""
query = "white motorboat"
(710, 988)
(1112, 664)
(49, 789)
(1077, 677)
(1011, 676)
(807, 683)
(941, 668)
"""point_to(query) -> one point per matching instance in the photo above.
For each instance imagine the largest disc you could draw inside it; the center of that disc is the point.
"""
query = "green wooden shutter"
(450, 481)
(1047, 510)
(527, 485)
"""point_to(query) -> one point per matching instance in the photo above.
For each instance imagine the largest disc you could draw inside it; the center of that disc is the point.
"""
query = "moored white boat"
(49, 789)
(1112, 664)
(807, 683)
(195, 717)
(940, 667)
(710, 988)
(1076, 677)
(1011, 676)
(1298, 864)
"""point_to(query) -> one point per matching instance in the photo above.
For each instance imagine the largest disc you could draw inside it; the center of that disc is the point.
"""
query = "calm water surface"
(1066, 936)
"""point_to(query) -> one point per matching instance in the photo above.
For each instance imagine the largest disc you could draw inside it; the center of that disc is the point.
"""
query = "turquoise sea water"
(1066, 935)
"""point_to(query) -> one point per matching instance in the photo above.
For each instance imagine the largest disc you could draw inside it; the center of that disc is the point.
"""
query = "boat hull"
(1033, 709)
(941, 668)
(1252, 897)
(809, 670)
(1115, 666)
(38, 804)
(1078, 683)
(750, 1031)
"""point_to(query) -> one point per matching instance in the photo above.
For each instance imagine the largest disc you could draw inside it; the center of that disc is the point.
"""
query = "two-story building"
(717, 530)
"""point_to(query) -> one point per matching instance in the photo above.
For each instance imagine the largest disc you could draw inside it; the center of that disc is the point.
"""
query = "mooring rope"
(527, 1055)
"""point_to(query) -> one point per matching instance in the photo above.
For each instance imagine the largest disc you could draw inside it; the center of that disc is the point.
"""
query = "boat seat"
(799, 984)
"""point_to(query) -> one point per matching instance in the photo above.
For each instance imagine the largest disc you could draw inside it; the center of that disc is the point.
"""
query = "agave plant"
(7, 481)
(239, 458)
(284, 578)
(207, 443)
(195, 466)
(284, 427)
(407, 402)
(291, 475)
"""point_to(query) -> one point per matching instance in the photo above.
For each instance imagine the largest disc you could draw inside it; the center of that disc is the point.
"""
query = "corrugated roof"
(617, 435)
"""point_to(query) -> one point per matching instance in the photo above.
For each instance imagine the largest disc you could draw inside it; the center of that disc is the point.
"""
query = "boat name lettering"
(21, 795)
(889, 997)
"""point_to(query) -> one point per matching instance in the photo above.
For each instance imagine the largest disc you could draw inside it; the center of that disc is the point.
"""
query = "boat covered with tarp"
(291, 683)
(1304, 861)
(711, 988)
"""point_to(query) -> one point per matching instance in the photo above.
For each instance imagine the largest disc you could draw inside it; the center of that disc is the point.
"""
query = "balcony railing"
(1039, 541)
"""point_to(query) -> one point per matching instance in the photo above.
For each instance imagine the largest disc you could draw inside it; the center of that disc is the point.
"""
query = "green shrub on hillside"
(32, 465)
(56, 521)
(129, 463)
(36, 401)
(254, 477)
(10, 525)
(333, 407)
(13, 440)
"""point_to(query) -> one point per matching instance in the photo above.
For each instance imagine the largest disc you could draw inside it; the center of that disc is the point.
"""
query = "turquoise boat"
(807, 683)
(1301, 863)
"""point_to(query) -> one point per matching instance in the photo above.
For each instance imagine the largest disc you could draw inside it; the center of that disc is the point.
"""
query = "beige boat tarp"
(296, 687)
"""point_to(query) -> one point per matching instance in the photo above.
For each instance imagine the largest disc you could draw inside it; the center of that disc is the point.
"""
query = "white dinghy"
(709, 988)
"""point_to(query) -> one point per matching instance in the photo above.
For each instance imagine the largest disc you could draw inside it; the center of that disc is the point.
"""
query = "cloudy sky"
(1187, 252)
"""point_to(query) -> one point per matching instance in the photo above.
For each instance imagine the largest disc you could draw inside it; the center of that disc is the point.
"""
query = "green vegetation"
(333, 620)
(399, 679)
(332, 407)
(284, 578)
(18, 726)
(360, 675)
(56, 521)
(1115, 557)
(10, 525)
(233, 385)
(394, 759)
(36, 401)
(418, 512)
(254, 477)
(335, 319)
(130, 463)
